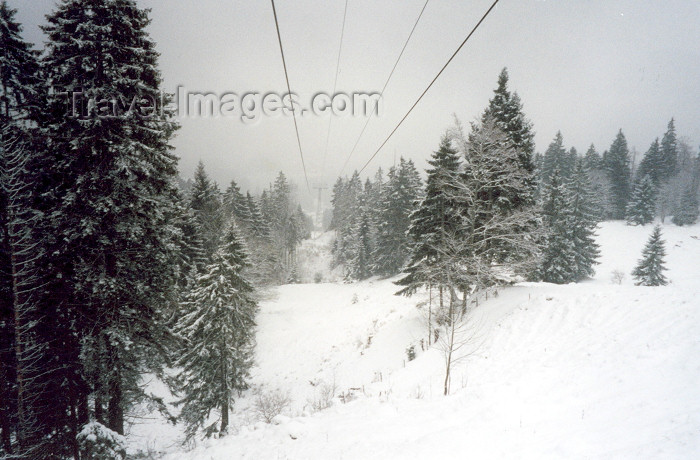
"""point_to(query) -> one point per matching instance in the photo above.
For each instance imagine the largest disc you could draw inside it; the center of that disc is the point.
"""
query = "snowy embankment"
(589, 370)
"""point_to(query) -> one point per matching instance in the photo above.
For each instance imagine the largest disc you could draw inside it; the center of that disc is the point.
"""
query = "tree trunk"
(464, 301)
(224, 385)
(5, 424)
(115, 410)
(450, 347)
(99, 410)
(430, 313)
(74, 422)
(224, 415)
(21, 415)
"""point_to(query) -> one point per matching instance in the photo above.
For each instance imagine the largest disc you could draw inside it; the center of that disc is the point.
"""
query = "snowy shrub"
(269, 404)
(411, 353)
(323, 399)
(355, 299)
(617, 276)
(318, 277)
(97, 442)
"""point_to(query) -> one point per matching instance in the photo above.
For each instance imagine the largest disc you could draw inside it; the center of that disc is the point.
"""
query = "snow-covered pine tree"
(336, 204)
(401, 193)
(668, 153)
(593, 163)
(650, 269)
(617, 165)
(583, 219)
(235, 205)
(266, 207)
(190, 258)
(642, 206)
(205, 201)
(436, 216)
(652, 164)
(687, 212)
(592, 159)
(293, 277)
(265, 266)
(555, 159)
(305, 224)
(109, 193)
(218, 330)
(557, 265)
(506, 109)
(360, 266)
(495, 242)
(284, 226)
(345, 215)
(375, 199)
(260, 228)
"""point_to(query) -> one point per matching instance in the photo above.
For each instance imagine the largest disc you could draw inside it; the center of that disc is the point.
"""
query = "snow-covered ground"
(589, 370)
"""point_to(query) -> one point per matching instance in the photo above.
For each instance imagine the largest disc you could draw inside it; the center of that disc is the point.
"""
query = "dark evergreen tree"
(687, 213)
(506, 109)
(641, 208)
(360, 266)
(401, 193)
(496, 240)
(374, 199)
(293, 277)
(558, 265)
(345, 216)
(435, 217)
(219, 332)
(260, 228)
(265, 266)
(617, 165)
(337, 205)
(190, 257)
(668, 153)
(235, 205)
(304, 224)
(555, 159)
(592, 159)
(109, 192)
(205, 201)
(267, 208)
(583, 218)
(650, 269)
(652, 164)
(285, 229)
(595, 168)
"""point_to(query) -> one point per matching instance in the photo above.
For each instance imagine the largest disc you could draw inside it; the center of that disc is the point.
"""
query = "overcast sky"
(585, 67)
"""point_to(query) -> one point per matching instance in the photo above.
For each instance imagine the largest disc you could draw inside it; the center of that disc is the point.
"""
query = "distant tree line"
(491, 210)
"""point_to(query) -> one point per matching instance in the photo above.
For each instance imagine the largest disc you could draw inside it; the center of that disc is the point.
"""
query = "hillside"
(589, 370)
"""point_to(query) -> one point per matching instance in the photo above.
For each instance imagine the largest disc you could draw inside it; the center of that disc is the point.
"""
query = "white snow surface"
(588, 370)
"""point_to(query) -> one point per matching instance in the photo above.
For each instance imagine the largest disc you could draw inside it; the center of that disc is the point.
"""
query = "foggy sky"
(587, 68)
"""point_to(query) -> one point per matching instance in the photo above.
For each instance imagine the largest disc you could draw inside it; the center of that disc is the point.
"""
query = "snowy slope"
(589, 370)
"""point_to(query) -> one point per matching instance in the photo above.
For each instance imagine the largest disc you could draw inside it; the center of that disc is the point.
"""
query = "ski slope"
(588, 370)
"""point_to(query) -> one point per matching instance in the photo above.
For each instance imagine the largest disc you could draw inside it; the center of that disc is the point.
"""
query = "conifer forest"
(489, 296)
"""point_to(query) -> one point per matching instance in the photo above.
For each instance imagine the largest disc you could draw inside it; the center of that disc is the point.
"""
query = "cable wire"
(335, 83)
(289, 91)
(431, 83)
(381, 93)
